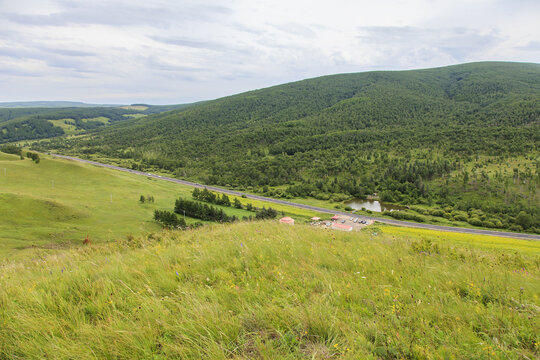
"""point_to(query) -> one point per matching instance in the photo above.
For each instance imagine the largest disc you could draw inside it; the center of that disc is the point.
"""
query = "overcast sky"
(166, 51)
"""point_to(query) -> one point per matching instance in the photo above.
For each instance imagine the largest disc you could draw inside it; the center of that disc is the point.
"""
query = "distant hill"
(419, 136)
(385, 110)
(29, 123)
(50, 104)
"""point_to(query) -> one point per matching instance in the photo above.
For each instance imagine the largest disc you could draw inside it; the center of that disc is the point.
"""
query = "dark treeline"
(201, 211)
(16, 150)
(211, 197)
(169, 219)
(265, 213)
(223, 200)
(11, 149)
(28, 129)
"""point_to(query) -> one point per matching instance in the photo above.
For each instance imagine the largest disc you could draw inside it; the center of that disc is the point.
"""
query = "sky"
(172, 52)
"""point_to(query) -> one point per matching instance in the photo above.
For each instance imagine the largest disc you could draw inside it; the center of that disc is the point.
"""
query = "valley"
(320, 210)
(457, 146)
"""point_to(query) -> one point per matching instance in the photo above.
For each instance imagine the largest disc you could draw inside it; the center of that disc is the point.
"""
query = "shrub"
(168, 219)
(488, 224)
(516, 228)
(524, 220)
(475, 221)
(401, 215)
(33, 156)
(11, 149)
(436, 212)
(266, 214)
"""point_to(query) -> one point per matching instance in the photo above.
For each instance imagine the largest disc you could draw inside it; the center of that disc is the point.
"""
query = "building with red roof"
(287, 220)
(342, 227)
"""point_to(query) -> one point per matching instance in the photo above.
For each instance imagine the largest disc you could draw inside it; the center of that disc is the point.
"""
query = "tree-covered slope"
(399, 133)
(317, 111)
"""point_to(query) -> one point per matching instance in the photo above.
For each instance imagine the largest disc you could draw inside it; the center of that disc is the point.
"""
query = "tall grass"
(265, 290)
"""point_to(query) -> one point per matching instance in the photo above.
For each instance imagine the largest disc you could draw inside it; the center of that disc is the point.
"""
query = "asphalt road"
(314, 208)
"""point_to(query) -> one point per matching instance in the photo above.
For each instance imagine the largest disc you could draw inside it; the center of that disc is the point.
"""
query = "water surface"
(373, 205)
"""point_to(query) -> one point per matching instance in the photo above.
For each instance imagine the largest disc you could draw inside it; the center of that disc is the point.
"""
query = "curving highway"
(309, 207)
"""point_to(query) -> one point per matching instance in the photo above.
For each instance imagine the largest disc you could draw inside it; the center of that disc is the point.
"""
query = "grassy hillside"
(56, 203)
(409, 136)
(265, 290)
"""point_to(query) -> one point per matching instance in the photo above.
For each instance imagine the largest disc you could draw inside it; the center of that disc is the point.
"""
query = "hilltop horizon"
(83, 103)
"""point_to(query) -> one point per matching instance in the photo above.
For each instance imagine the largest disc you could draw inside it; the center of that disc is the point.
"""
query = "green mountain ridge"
(414, 137)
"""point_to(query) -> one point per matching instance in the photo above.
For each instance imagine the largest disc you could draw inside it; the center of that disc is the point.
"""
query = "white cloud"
(179, 51)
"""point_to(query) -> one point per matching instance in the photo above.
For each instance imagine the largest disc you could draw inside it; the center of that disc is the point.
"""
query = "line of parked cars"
(355, 220)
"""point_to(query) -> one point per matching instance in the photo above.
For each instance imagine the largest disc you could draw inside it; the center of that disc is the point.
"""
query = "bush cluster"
(205, 212)
(169, 219)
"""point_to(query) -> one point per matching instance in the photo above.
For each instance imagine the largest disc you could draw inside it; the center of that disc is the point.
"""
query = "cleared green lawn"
(56, 203)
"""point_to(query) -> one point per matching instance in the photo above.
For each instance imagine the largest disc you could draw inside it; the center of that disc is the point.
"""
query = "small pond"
(373, 205)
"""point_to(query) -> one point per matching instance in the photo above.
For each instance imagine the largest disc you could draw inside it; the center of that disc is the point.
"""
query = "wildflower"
(386, 292)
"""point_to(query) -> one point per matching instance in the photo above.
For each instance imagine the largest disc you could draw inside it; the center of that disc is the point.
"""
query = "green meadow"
(246, 290)
(57, 203)
(265, 290)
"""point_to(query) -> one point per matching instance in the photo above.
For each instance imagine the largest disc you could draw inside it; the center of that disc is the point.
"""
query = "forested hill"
(26, 123)
(354, 134)
(480, 107)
